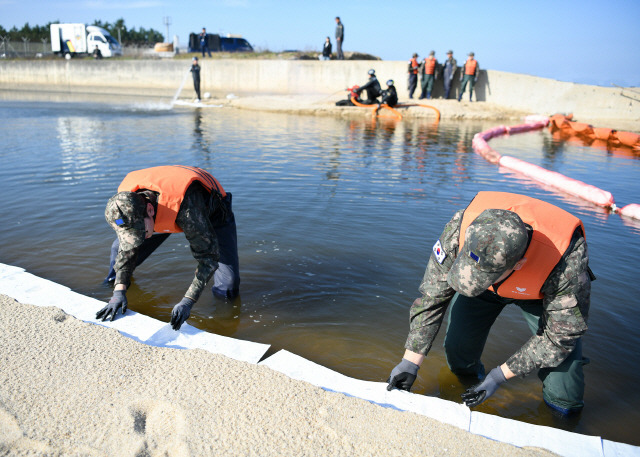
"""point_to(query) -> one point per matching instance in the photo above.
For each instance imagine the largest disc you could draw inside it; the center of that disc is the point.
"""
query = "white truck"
(71, 39)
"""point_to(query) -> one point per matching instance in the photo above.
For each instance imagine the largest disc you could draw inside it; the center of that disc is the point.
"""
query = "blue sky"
(590, 42)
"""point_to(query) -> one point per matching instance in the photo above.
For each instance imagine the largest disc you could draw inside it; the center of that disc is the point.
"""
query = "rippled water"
(336, 220)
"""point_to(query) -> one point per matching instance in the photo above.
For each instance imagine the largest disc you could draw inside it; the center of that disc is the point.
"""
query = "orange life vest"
(414, 65)
(171, 182)
(470, 67)
(553, 229)
(429, 65)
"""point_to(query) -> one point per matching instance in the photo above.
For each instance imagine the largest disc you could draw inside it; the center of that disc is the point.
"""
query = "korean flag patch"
(439, 252)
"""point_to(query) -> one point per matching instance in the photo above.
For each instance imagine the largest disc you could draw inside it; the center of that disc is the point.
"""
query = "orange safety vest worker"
(553, 229)
(429, 65)
(470, 67)
(414, 65)
(171, 182)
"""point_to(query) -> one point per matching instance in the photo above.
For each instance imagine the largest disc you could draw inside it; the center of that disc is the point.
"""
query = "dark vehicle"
(235, 45)
(220, 44)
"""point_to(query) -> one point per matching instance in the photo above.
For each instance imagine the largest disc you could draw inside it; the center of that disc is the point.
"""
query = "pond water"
(336, 221)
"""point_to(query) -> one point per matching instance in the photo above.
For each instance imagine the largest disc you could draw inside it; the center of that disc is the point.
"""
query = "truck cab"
(97, 36)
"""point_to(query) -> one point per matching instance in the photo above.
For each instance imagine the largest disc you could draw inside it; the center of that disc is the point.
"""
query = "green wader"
(427, 85)
(467, 79)
(471, 319)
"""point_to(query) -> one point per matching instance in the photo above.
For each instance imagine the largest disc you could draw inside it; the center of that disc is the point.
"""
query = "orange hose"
(425, 106)
(395, 112)
(357, 103)
(375, 107)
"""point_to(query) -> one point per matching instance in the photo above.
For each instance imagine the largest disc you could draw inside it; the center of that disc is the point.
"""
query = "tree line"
(128, 37)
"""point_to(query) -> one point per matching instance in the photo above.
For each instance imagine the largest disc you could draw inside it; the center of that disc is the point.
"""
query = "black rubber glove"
(118, 301)
(480, 392)
(181, 312)
(403, 375)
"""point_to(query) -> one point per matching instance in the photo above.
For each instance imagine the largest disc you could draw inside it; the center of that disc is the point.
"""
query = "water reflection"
(551, 147)
(561, 137)
(200, 142)
(336, 220)
(79, 135)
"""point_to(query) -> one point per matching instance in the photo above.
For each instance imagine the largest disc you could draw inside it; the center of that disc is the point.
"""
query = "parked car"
(235, 45)
(230, 43)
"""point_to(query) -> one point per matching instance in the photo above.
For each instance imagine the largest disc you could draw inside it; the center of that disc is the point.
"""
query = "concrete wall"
(163, 77)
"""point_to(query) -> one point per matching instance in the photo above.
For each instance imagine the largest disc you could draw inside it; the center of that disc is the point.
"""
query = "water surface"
(336, 221)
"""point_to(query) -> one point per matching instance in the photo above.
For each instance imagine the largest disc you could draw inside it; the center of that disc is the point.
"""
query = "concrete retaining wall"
(163, 77)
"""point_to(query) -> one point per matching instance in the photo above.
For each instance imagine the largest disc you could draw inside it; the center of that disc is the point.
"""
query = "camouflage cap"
(493, 243)
(125, 213)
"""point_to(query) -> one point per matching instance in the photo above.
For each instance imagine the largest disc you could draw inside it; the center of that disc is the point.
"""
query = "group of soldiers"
(430, 70)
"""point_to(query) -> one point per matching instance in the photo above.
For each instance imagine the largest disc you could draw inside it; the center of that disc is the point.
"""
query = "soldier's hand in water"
(403, 375)
(118, 302)
(181, 313)
(480, 392)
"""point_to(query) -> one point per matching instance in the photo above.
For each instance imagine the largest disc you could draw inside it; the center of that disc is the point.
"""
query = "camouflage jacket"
(565, 305)
(194, 218)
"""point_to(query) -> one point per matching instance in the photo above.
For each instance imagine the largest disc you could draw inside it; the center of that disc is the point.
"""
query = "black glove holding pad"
(118, 302)
(403, 375)
(181, 312)
(480, 392)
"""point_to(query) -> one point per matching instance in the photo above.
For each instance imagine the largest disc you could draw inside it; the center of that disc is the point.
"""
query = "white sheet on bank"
(27, 288)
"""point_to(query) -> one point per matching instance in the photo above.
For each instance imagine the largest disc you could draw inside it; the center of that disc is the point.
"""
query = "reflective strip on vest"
(553, 229)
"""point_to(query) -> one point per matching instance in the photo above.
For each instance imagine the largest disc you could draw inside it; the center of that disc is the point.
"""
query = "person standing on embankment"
(195, 73)
(470, 72)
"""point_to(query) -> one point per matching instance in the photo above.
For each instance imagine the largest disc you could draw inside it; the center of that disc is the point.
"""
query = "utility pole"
(167, 23)
(25, 40)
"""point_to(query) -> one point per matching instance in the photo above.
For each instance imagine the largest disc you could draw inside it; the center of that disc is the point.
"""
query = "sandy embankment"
(325, 105)
(72, 388)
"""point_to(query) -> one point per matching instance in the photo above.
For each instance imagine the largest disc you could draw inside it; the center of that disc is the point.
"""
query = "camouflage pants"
(469, 324)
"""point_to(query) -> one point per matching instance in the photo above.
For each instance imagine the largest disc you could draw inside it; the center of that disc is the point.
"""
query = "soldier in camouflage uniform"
(208, 224)
(494, 247)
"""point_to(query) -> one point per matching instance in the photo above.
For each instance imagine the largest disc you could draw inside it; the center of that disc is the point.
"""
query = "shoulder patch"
(438, 251)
